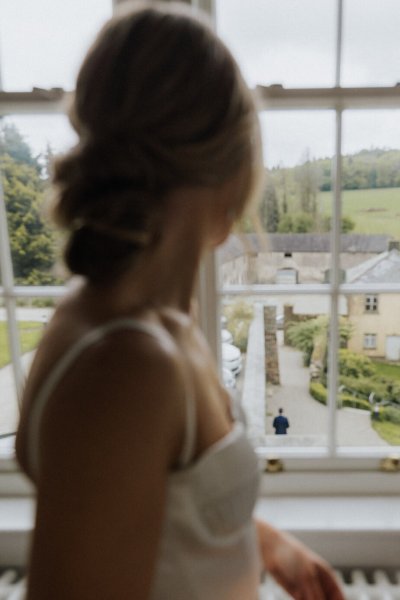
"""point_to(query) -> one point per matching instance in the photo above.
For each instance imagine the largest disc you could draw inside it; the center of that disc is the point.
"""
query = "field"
(374, 211)
(29, 332)
(388, 370)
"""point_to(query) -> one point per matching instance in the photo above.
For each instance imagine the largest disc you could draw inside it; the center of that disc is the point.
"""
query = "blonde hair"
(159, 103)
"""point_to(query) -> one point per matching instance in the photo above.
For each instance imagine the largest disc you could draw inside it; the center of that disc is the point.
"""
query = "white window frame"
(210, 293)
(370, 341)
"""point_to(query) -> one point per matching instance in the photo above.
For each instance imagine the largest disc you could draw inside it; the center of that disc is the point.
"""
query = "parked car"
(231, 358)
(280, 319)
(226, 336)
(228, 378)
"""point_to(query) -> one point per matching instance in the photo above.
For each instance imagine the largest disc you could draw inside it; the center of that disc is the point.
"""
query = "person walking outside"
(281, 423)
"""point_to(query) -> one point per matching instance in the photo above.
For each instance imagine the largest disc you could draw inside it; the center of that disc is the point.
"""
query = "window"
(371, 303)
(328, 213)
(370, 341)
(329, 248)
(42, 43)
(286, 276)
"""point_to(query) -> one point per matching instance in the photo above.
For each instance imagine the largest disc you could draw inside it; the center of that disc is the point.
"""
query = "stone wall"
(271, 346)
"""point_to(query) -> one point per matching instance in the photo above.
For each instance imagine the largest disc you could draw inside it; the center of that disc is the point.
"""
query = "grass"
(30, 333)
(389, 370)
(388, 431)
(374, 211)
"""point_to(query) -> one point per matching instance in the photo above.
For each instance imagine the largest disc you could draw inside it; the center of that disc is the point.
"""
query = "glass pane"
(9, 413)
(369, 372)
(27, 147)
(43, 42)
(371, 196)
(293, 214)
(290, 42)
(33, 315)
(283, 344)
(371, 51)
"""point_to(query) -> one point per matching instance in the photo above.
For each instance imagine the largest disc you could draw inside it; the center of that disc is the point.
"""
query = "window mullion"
(335, 290)
(339, 42)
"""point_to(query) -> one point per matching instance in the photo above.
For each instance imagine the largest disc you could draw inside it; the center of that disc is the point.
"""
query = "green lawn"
(29, 332)
(374, 211)
(388, 431)
(388, 370)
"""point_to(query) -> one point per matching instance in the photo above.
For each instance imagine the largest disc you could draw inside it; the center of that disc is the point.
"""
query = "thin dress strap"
(61, 367)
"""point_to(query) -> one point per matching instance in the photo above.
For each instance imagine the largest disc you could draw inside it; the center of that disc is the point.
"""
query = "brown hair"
(159, 103)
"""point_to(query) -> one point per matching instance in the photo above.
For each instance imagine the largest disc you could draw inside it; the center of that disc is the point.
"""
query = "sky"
(291, 42)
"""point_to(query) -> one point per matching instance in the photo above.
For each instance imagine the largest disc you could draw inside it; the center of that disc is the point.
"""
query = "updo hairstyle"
(159, 103)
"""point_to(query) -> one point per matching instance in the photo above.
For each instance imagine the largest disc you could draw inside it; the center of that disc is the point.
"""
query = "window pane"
(290, 42)
(43, 42)
(369, 372)
(371, 197)
(27, 147)
(293, 214)
(33, 315)
(9, 413)
(283, 346)
(371, 51)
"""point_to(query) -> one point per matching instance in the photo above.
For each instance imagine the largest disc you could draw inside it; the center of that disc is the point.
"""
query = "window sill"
(349, 531)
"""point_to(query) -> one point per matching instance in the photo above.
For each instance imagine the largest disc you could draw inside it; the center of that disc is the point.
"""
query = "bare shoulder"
(123, 391)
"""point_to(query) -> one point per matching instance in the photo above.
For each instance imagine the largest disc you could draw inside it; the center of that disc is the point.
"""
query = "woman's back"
(196, 504)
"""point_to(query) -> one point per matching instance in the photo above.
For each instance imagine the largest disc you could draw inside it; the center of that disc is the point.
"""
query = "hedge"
(384, 390)
(320, 393)
(389, 413)
(352, 402)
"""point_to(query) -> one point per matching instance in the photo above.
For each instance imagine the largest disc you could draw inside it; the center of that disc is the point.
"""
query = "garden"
(364, 384)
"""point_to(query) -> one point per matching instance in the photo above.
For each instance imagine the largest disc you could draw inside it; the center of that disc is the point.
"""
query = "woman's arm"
(303, 574)
(109, 437)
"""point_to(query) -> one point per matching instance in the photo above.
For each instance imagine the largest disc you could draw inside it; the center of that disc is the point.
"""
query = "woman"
(145, 485)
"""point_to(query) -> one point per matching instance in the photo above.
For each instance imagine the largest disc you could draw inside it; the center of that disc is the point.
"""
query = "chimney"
(394, 245)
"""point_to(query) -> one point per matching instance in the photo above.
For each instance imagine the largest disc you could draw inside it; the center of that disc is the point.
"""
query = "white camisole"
(208, 549)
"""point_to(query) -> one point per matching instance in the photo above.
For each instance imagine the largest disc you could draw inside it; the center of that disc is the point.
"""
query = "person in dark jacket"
(280, 424)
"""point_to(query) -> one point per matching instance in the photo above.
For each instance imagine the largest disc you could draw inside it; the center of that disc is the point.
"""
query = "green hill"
(372, 210)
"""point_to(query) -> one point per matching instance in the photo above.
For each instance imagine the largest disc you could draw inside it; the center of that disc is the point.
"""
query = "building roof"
(384, 268)
(253, 243)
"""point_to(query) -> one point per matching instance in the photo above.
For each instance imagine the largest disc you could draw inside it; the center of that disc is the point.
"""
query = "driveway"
(307, 417)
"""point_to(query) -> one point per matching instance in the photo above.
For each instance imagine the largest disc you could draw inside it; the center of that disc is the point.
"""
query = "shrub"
(352, 402)
(355, 365)
(389, 413)
(318, 392)
(239, 316)
(303, 334)
(384, 390)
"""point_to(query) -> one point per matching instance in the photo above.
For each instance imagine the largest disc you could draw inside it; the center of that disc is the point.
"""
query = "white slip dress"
(208, 548)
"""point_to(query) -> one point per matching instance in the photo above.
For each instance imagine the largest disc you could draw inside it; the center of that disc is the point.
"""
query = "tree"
(305, 334)
(13, 144)
(269, 209)
(308, 184)
(31, 240)
(347, 224)
(297, 223)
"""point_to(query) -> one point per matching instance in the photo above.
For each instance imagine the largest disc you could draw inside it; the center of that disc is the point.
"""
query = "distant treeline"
(374, 168)
(291, 199)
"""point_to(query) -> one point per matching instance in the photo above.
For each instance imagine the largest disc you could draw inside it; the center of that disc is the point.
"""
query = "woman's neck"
(164, 276)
